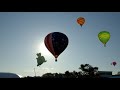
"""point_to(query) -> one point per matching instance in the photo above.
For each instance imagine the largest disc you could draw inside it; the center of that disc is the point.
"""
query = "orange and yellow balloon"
(81, 21)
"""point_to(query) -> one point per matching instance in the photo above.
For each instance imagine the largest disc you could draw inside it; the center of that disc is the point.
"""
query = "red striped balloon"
(56, 43)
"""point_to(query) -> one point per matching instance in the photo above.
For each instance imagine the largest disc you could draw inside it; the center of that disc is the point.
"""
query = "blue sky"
(22, 35)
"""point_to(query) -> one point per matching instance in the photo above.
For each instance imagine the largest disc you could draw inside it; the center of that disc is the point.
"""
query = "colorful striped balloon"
(81, 21)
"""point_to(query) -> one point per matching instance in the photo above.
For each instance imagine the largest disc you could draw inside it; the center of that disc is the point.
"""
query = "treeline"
(86, 71)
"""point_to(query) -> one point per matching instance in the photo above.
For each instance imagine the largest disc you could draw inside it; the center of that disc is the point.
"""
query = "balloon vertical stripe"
(48, 43)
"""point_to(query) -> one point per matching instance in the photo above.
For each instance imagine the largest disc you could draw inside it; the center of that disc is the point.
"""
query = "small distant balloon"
(81, 21)
(104, 37)
(40, 59)
(113, 63)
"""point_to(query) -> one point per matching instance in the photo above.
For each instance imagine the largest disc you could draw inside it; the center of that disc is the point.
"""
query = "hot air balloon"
(113, 63)
(104, 37)
(56, 43)
(40, 59)
(81, 21)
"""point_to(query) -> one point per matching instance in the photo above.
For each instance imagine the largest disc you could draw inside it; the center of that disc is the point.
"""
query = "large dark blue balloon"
(56, 43)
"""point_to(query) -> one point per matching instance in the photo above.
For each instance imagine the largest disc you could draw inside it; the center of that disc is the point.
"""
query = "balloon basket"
(55, 60)
(104, 45)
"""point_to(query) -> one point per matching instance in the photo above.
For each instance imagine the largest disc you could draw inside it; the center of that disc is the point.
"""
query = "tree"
(75, 74)
(48, 75)
(67, 74)
(88, 69)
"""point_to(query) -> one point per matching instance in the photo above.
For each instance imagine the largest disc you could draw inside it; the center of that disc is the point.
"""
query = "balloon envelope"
(40, 59)
(104, 37)
(113, 63)
(81, 21)
(56, 43)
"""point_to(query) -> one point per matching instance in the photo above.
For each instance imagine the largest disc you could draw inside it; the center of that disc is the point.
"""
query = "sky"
(22, 37)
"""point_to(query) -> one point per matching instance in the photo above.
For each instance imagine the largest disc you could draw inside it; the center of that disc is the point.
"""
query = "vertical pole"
(34, 72)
